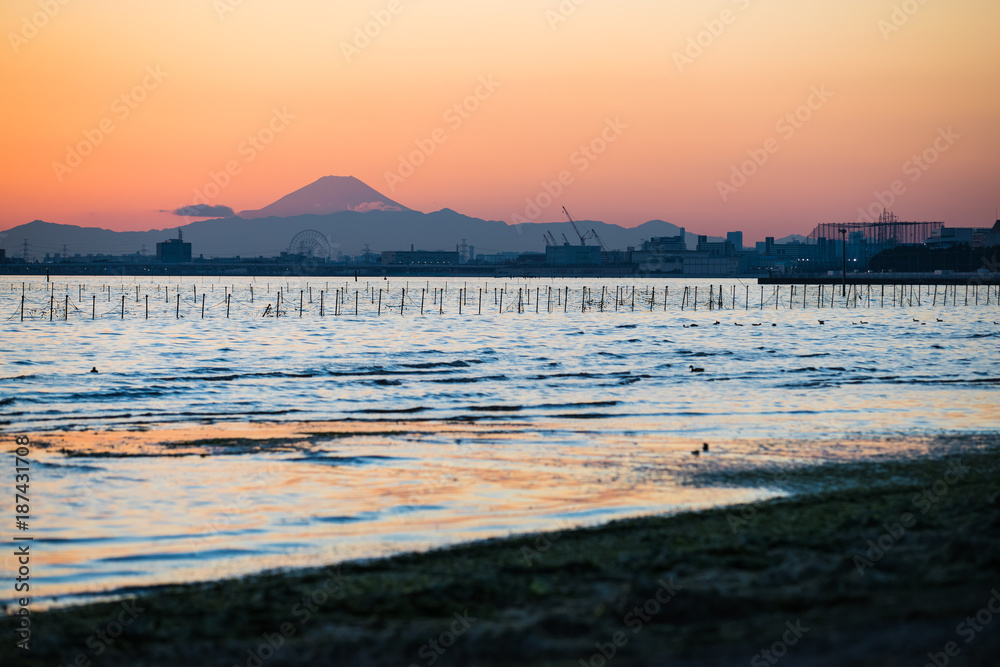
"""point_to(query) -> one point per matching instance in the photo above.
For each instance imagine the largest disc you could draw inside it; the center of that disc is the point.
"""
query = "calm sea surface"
(580, 412)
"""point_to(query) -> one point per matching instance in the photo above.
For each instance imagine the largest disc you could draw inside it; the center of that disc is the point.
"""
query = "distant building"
(714, 248)
(976, 237)
(498, 258)
(573, 255)
(174, 251)
(667, 245)
(796, 250)
(701, 264)
(735, 239)
(3, 256)
(419, 257)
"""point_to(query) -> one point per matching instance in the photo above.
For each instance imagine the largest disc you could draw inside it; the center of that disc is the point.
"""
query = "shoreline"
(736, 575)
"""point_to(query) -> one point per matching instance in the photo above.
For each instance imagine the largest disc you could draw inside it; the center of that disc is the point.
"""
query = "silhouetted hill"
(348, 232)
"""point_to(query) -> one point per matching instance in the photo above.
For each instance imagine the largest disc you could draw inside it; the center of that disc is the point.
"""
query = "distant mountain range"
(350, 214)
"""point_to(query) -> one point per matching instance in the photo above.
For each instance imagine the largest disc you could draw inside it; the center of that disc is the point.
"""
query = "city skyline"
(770, 118)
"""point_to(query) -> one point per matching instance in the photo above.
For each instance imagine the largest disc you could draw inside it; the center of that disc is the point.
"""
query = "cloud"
(374, 206)
(204, 211)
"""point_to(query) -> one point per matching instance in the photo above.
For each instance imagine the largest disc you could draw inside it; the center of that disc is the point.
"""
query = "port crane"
(583, 237)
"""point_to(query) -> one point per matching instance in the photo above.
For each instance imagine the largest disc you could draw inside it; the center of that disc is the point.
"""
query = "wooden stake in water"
(123, 306)
(228, 298)
(93, 307)
(147, 306)
(178, 313)
(203, 305)
(66, 309)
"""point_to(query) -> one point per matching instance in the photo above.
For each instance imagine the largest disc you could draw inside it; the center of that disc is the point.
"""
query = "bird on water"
(94, 370)
(696, 370)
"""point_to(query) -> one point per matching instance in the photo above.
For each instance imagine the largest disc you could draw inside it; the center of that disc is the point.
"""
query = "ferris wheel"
(310, 243)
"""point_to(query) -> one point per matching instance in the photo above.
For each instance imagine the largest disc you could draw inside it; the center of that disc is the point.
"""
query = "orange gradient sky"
(897, 83)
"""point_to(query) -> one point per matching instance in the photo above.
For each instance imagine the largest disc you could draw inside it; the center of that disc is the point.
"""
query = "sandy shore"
(883, 570)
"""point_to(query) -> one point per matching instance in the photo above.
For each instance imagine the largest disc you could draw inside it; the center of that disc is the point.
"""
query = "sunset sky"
(672, 97)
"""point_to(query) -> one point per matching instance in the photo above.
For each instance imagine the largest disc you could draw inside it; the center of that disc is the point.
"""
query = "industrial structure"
(864, 240)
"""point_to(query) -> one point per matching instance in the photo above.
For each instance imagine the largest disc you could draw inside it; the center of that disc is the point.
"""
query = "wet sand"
(870, 562)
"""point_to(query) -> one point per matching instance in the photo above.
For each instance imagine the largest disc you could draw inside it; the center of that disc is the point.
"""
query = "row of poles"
(384, 299)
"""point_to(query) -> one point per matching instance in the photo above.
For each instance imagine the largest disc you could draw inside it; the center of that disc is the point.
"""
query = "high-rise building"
(735, 239)
(174, 251)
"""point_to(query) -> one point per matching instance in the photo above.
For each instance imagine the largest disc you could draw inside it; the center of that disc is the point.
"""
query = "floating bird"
(862, 322)
(696, 370)
(939, 320)
(774, 325)
(695, 452)
(704, 446)
(737, 324)
(915, 320)
(716, 323)
(755, 325)
(821, 321)
(694, 325)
